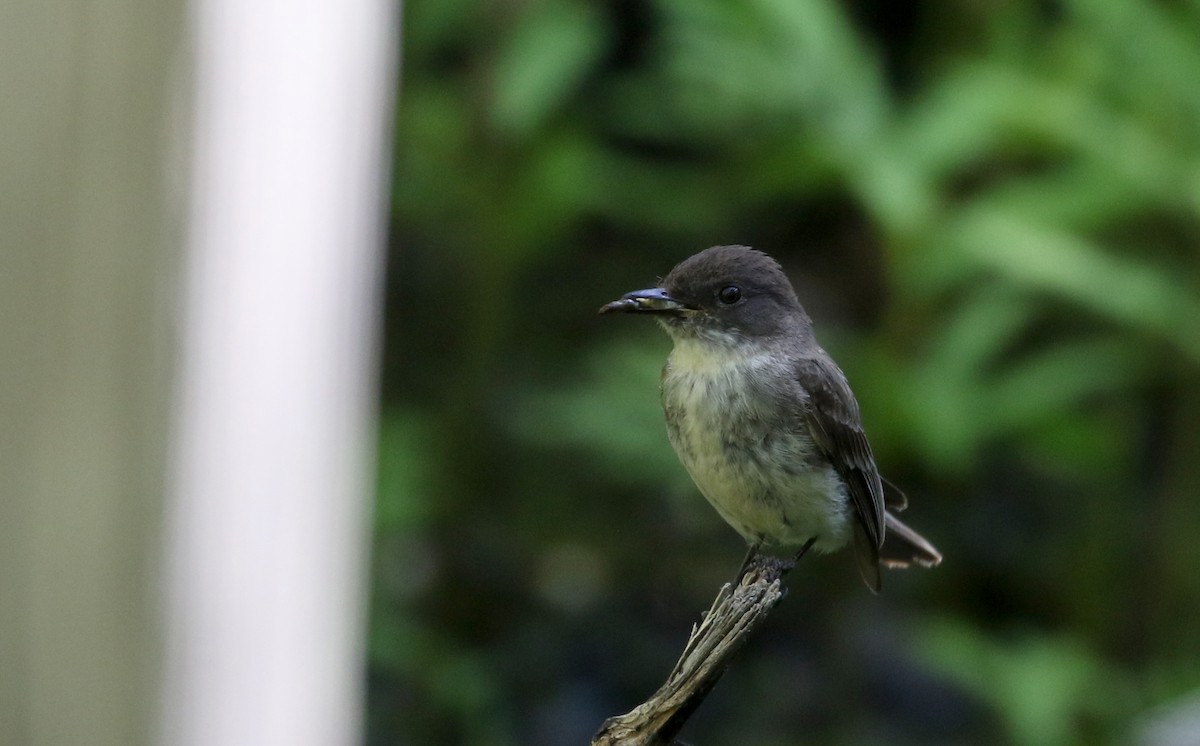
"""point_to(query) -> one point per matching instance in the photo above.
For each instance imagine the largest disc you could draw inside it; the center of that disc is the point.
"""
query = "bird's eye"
(730, 294)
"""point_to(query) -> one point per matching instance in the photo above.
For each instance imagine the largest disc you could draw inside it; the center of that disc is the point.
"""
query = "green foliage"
(613, 412)
(1048, 690)
(545, 58)
(992, 212)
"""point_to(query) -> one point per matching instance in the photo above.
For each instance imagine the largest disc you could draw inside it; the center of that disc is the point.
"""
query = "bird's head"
(726, 294)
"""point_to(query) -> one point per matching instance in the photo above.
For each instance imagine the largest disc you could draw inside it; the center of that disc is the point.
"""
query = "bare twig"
(733, 617)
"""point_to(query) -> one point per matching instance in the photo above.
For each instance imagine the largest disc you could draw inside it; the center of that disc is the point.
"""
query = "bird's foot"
(769, 567)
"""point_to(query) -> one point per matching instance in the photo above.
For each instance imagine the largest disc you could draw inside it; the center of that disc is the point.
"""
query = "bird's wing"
(834, 421)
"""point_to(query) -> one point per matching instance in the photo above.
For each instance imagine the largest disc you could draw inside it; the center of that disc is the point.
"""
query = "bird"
(764, 421)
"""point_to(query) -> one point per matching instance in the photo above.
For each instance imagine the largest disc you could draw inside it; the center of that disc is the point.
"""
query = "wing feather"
(835, 423)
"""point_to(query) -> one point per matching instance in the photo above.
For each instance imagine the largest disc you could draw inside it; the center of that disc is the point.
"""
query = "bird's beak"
(651, 300)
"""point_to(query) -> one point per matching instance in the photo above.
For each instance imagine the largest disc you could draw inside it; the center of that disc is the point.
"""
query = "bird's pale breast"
(748, 454)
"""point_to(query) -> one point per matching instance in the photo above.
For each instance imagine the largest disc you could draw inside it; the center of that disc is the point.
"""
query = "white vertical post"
(267, 506)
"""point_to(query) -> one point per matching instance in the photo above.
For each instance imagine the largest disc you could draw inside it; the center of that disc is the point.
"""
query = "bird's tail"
(903, 547)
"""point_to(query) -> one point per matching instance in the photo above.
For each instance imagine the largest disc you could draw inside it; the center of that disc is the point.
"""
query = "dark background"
(991, 211)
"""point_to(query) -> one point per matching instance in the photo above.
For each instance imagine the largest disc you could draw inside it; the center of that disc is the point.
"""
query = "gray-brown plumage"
(764, 420)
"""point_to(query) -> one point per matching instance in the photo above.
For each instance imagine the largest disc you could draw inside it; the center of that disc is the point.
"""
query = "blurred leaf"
(543, 60)
(734, 71)
(1127, 291)
(900, 195)
(637, 197)
(950, 413)
(613, 414)
(1078, 196)
(988, 109)
(960, 119)
(1039, 387)
(545, 195)
(1040, 685)
(1153, 49)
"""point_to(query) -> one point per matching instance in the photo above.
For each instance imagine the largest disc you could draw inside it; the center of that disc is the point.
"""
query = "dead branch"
(734, 616)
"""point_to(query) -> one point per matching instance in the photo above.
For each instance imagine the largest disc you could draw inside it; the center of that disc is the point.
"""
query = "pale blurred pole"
(268, 503)
(89, 244)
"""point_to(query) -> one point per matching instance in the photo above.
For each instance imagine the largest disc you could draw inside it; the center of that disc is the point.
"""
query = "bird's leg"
(746, 563)
(773, 566)
(804, 550)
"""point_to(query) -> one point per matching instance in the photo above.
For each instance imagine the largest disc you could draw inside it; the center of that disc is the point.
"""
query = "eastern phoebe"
(764, 420)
